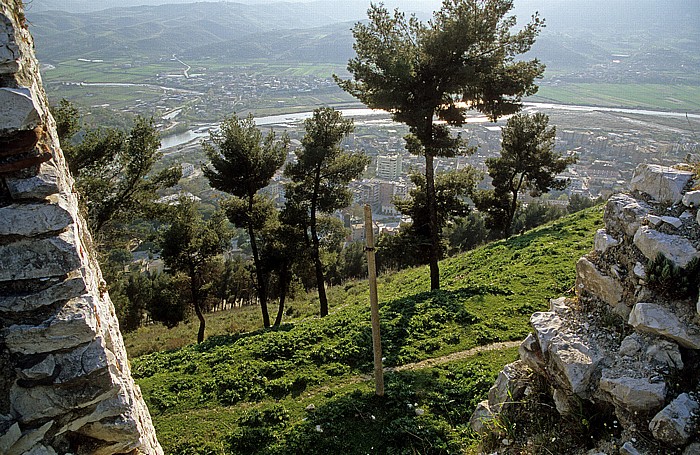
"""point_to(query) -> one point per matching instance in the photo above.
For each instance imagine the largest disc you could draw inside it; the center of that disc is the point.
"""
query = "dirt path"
(428, 363)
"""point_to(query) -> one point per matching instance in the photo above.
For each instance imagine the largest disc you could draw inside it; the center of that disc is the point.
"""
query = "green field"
(677, 98)
(245, 391)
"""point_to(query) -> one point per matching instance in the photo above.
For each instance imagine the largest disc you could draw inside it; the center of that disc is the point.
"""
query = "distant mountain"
(161, 30)
(578, 33)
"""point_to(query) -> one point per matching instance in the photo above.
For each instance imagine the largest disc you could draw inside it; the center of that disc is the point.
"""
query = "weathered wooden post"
(374, 303)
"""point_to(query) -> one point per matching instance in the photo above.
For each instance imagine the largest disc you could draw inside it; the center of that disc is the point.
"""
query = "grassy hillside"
(252, 392)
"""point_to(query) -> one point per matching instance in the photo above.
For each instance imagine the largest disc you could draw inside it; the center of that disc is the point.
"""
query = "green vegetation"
(238, 388)
(672, 97)
(422, 72)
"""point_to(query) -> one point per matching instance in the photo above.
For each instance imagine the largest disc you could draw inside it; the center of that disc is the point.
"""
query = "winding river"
(296, 118)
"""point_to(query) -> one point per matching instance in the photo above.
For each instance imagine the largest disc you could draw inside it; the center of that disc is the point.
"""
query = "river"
(296, 118)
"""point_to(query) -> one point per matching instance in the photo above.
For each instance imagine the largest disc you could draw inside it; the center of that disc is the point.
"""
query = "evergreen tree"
(113, 169)
(465, 58)
(319, 180)
(189, 244)
(528, 162)
(242, 163)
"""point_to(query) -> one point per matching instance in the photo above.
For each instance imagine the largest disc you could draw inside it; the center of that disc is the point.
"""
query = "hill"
(252, 392)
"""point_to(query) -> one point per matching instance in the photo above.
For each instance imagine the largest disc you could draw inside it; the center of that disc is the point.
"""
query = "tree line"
(426, 75)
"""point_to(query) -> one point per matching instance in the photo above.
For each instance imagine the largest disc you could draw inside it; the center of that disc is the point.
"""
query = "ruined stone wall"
(65, 383)
(628, 344)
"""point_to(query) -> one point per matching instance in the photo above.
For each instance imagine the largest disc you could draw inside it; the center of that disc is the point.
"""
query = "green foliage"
(464, 58)
(578, 202)
(113, 169)
(666, 277)
(536, 214)
(451, 191)
(319, 182)
(242, 163)
(528, 162)
(489, 295)
(189, 245)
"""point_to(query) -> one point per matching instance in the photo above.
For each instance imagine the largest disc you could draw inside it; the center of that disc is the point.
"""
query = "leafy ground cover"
(248, 392)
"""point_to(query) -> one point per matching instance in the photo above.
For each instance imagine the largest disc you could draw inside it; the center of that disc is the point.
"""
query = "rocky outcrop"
(65, 382)
(628, 344)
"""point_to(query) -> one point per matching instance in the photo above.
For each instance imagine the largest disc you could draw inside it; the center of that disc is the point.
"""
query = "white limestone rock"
(692, 199)
(47, 182)
(603, 241)
(591, 280)
(481, 418)
(677, 249)
(41, 402)
(509, 385)
(32, 219)
(628, 448)
(73, 325)
(574, 363)
(11, 436)
(39, 258)
(19, 109)
(692, 449)
(665, 353)
(664, 184)
(654, 220)
(41, 370)
(531, 354)
(73, 286)
(640, 271)
(9, 51)
(571, 360)
(624, 214)
(547, 326)
(673, 221)
(674, 424)
(633, 394)
(562, 402)
(29, 440)
(658, 320)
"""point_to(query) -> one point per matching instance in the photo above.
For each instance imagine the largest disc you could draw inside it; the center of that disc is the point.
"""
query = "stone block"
(675, 424)
(692, 199)
(30, 259)
(73, 325)
(593, 281)
(661, 321)
(603, 241)
(677, 249)
(624, 214)
(9, 51)
(634, 394)
(32, 219)
(19, 110)
(41, 402)
(29, 440)
(509, 386)
(574, 363)
(481, 418)
(662, 183)
(46, 182)
(71, 287)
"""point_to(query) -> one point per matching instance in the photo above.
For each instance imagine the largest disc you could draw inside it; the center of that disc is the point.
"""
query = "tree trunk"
(513, 206)
(315, 251)
(284, 284)
(432, 221)
(260, 276)
(194, 289)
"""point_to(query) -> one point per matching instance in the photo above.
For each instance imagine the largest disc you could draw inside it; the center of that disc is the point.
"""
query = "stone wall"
(627, 345)
(65, 383)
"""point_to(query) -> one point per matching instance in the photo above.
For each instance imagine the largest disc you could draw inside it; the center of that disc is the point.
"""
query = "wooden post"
(374, 303)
